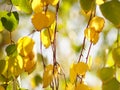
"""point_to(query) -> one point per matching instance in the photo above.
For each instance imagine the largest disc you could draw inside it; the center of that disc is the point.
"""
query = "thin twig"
(54, 42)
(88, 52)
(83, 46)
(42, 55)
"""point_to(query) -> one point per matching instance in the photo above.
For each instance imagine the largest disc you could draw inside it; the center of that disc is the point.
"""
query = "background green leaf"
(111, 11)
(87, 5)
(2, 13)
(11, 50)
(112, 84)
(2, 65)
(10, 21)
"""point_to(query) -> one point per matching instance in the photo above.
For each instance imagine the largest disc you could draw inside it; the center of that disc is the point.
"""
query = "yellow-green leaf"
(47, 75)
(37, 6)
(69, 86)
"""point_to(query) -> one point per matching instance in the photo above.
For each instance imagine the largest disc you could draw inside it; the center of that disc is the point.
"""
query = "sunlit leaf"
(43, 19)
(110, 62)
(15, 2)
(116, 55)
(111, 11)
(112, 84)
(29, 63)
(73, 73)
(10, 21)
(106, 73)
(45, 37)
(70, 86)
(97, 23)
(2, 14)
(99, 2)
(15, 65)
(25, 45)
(91, 35)
(24, 6)
(87, 5)
(118, 74)
(81, 86)
(37, 6)
(47, 76)
(11, 50)
(81, 68)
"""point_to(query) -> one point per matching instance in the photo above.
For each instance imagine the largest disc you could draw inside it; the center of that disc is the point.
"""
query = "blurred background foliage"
(72, 21)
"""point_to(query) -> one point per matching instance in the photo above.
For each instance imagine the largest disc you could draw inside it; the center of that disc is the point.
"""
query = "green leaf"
(11, 50)
(2, 13)
(10, 21)
(2, 65)
(112, 84)
(106, 73)
(25, 6)
(111, 11)
(87, 5)
(15, 2)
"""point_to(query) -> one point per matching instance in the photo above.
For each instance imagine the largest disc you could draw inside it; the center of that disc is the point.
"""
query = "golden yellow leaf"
(91, 35)
(47, 36)
(37, 6)
(81, 86)
(43, 19)
(97, 23)
(81, 68)
(70, 86)
(25, 45)
(2, 88)
(52, 2)
(73, 73)
(47, 75)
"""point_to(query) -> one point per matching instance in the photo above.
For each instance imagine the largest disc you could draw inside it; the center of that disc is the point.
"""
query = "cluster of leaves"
(20, 57)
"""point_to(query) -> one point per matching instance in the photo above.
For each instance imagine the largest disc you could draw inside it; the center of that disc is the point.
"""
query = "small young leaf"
(15, 2)
(47, 75)
(10, 21)
(111, 11)
(11, 50)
